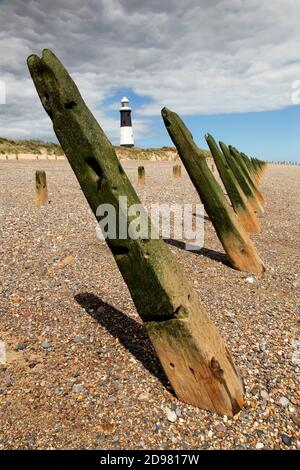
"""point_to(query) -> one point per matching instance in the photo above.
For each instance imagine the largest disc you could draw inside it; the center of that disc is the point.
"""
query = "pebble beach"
(79, 371)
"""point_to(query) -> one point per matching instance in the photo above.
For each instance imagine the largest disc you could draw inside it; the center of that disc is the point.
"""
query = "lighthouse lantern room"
(126, 134)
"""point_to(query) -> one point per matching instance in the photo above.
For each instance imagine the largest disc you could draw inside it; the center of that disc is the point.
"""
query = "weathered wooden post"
(253, 200)
(41, 190)
(176, 171)
(238, 199)
(188, 344)
(240, 161)
(141, 176)
(238, 246)
(254, 166)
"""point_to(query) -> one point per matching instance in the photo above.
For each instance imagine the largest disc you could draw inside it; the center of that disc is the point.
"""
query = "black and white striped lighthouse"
(126, 134)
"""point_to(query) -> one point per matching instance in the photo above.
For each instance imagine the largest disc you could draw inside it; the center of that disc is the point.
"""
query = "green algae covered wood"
(256, 167)
(238, 199)
(235, 240)
(240, 161)
(188, 344)
(244, 184)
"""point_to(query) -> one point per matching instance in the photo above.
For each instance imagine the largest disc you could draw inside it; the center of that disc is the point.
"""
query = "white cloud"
(196, 57)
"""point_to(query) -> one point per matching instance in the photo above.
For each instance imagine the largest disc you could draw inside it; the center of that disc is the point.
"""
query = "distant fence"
(30, 156)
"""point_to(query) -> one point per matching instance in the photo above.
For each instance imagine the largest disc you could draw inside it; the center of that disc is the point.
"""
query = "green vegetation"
(36, 147)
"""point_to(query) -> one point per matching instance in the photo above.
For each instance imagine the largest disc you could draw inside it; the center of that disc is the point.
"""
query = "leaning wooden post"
(238, 199)
(252, 168)
(253, 200)
(141, 176)
(176, 171)
(41, 190)
(255, 166)
(235, 240)
(235, 153)
(188, 344)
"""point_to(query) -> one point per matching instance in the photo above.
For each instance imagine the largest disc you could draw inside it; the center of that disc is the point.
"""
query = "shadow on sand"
(207, 252)
(131, 334)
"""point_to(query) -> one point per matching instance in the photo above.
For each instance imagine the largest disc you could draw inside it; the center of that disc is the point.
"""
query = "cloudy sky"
(227, 67)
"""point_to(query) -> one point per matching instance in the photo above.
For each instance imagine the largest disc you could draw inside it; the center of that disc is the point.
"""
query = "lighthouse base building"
(126, 133)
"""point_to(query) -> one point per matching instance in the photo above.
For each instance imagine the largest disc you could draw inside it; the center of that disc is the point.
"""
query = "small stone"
(57, 427)
(249, 280)
(21, 346)
(287, 440)
(112, 399)
(210, 434)
(78, 388)
(220, 429)
(78, 340)
(2, 353)
(178, 412)
(115, 439)
(171, 416)
(100, 437)
(26, 314)
(296, 360)
(144, 396)
(283, 402)
(262, 346)
(264, 394)
(296, 419)
(259, 446)
(30, 440)
(7, 380)
(157, 427)
(46, 345)
(67, 260)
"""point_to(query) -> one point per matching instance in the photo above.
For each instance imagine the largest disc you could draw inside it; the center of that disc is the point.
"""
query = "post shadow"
(207, 252)
(131, 334)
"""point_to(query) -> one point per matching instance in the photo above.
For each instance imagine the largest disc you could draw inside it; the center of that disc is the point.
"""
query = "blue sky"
(271, 135)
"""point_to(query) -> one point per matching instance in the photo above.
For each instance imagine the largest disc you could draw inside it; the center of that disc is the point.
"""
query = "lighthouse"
(126, 134)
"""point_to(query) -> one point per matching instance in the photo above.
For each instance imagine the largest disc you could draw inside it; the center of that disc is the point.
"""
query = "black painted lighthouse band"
(125, 116)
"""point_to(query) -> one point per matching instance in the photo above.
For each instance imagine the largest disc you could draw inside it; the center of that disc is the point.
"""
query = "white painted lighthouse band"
(126, 134)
